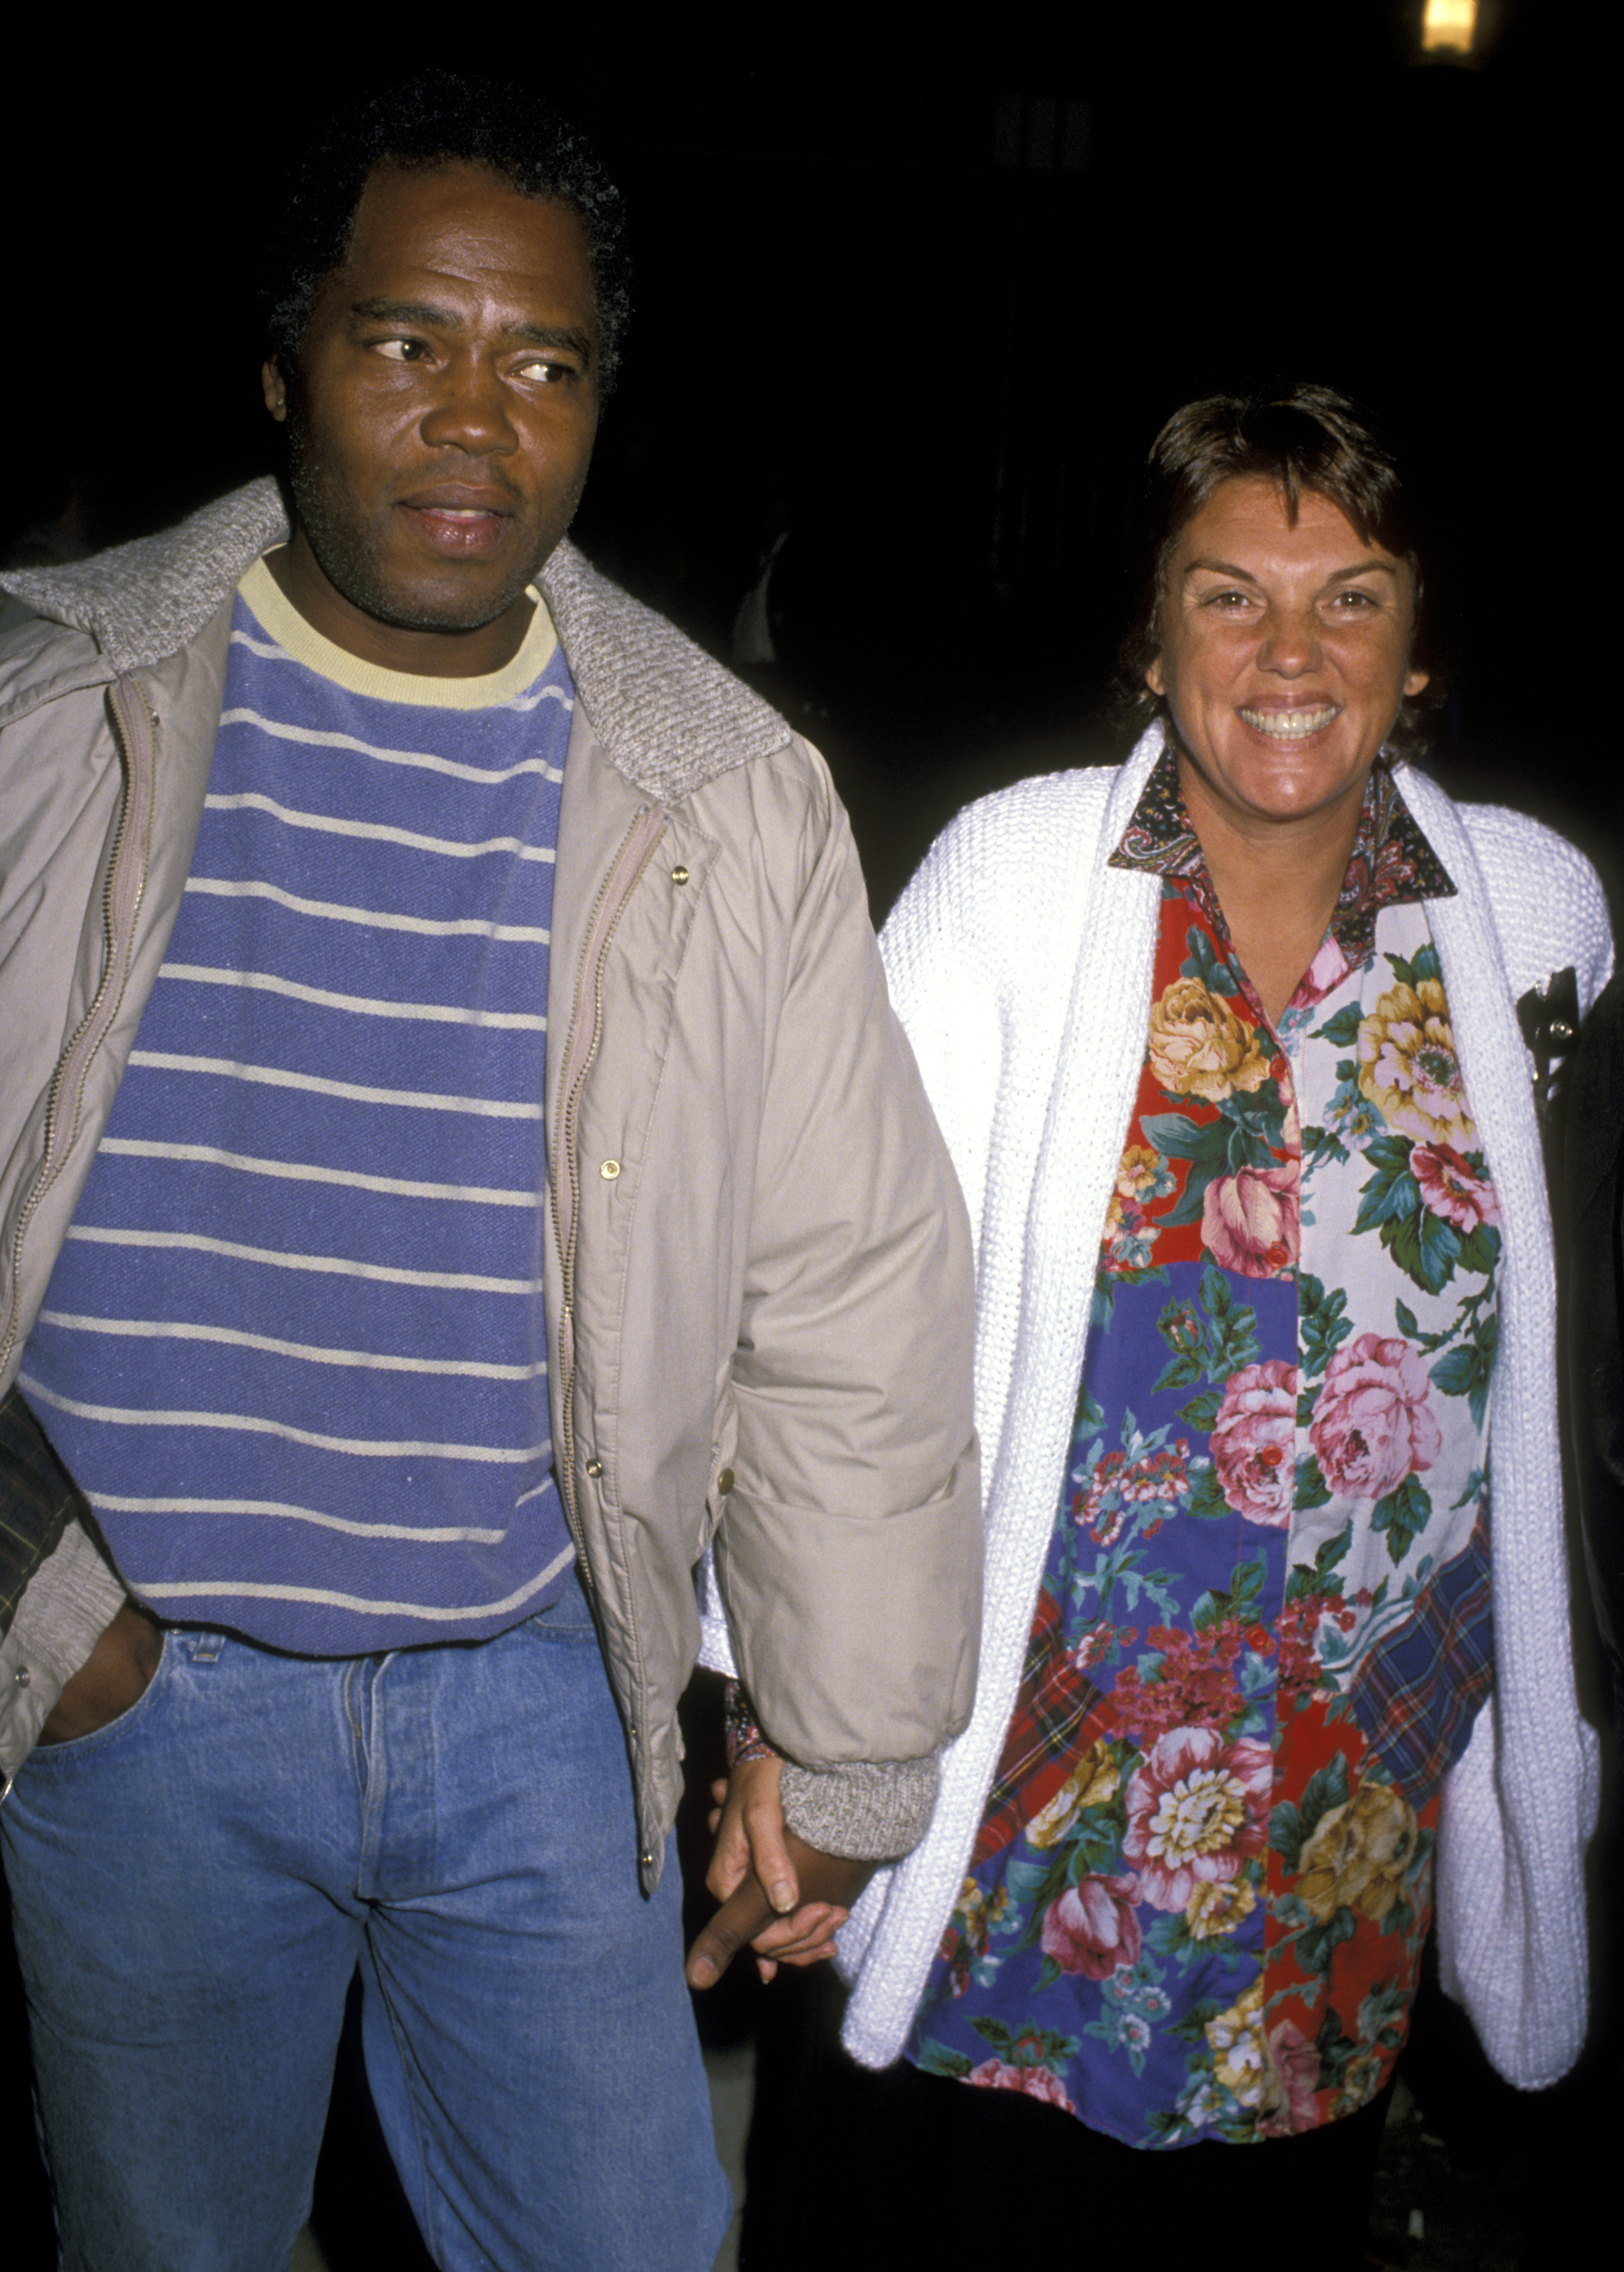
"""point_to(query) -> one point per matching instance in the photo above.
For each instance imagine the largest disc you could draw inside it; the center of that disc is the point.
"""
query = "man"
(459, 1161)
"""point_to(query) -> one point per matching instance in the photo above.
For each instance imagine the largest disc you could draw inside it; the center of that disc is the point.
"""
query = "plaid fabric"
(1416, 1696)
(1056, 1701)
(37, 1496)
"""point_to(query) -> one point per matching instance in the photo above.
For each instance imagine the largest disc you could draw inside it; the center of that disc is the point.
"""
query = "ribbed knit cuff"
(873, 1811)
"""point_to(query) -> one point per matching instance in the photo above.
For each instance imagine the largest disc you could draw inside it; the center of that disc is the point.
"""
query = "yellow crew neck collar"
(276, 614)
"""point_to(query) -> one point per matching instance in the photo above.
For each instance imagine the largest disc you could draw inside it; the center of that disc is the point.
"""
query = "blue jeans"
(193, 1885)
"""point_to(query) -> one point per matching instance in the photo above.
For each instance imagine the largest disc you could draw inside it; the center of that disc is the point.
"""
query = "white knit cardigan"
(1021, 967)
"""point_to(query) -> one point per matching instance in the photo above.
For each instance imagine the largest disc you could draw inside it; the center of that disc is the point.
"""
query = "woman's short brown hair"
(1304, 439)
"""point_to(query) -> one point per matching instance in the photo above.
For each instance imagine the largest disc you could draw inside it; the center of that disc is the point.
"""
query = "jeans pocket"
(78, 1747)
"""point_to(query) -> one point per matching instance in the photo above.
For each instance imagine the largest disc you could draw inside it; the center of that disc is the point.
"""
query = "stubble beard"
(350, 563)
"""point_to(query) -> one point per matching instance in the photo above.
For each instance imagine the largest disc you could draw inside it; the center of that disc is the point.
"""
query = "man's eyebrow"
(446, 319)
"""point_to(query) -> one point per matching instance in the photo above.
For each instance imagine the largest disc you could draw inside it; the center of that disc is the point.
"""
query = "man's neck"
(473, 654)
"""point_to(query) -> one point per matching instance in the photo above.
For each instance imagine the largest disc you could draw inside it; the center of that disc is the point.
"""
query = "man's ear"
(275, 390)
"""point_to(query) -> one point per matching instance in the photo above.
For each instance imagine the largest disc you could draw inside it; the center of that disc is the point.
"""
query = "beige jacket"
(759, 1290)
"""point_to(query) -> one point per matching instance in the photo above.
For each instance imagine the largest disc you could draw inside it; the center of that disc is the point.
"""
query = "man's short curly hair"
(1306, 440)
(435, 118)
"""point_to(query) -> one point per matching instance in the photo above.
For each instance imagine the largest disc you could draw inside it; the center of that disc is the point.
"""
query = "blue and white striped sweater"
(294, 1347)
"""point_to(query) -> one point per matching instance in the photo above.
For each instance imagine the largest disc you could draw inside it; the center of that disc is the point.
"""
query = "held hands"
(114, 1677)
(784, 1898)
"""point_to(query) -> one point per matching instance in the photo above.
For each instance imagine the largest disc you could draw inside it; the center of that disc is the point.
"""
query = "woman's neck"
(1277, 882)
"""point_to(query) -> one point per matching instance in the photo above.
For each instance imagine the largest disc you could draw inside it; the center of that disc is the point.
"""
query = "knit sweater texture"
(1021, 965)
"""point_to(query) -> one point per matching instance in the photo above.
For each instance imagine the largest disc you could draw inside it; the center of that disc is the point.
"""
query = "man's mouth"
(455, 529)
(1291, 725)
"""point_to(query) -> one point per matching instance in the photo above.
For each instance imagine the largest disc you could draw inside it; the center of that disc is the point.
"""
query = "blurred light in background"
(1449, 24)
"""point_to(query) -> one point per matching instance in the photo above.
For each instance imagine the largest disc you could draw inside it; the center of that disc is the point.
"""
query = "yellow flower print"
(1093, 1782)
(1358, 1854)
(1239, 2055)
(1143, 1174)
(1199, 1048)
(1408, 1067)
(1217, 1906)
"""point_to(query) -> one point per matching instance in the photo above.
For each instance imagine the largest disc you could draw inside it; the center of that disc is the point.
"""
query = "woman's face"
(1284, 654)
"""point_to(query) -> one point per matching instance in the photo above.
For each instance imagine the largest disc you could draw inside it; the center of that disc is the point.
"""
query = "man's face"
(440, 421)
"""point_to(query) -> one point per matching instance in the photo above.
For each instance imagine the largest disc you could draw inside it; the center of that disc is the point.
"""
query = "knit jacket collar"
(668, 716)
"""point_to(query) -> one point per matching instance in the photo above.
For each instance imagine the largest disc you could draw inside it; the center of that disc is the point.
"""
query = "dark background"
(926, 302)
(923, 301)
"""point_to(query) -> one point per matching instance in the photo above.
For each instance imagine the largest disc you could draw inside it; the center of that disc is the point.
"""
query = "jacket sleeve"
(57, 1592)
(849, 1550)
(65, 1606)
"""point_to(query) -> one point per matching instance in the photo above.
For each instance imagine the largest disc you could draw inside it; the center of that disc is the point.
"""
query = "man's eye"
(402, 350)
(547, 369)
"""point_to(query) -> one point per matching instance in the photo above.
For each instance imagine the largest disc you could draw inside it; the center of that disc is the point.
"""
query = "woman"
(1266, 1682)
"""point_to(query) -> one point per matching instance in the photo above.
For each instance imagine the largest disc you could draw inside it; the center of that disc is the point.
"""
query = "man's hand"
(114, 1677)
(812, 1892)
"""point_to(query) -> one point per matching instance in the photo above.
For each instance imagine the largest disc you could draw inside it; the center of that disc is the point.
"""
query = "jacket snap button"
(23, 1677)
(609, 1171)
(679, 875)
(594, 1468)
(724, 1483)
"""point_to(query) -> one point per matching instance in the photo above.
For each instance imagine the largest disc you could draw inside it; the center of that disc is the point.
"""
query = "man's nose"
(470, 411)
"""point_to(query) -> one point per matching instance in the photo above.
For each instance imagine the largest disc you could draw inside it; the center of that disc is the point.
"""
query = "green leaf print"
(1326, 1787)
(1318, 1146)
(1324, 1324)
(1392, 1191)
(1342, 1031)
(1089, 1415)
(1479, 1249)
(1424, 964)
(1207, 1503)
(937, 2058)
(1202, 962)
(1402, 1516)
(1406, 1319)
(1310, 1488)
(1317, 1943)
(1334, 2046)
(1286, 1835)
(1180, 1139)
(1202, 1410)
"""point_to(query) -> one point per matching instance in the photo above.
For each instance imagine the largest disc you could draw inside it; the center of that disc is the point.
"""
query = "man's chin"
(459, 613)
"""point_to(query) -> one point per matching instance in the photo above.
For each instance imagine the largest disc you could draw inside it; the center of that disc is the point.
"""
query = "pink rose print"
(1452, 1190)
(1249, 1220)
(1253, 1441)
(1372, 1425)
(1036, 2082)
(1288, 2092)
(1093, 1928)
(1197, 1810)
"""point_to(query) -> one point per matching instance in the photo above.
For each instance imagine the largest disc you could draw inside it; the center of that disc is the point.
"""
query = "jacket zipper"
(136, 727)
(624, 873)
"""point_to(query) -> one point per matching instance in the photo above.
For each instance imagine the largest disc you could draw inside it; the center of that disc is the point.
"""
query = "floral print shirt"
(1196, 1904)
